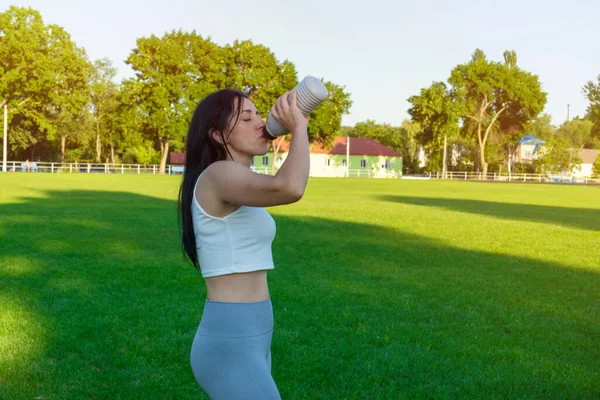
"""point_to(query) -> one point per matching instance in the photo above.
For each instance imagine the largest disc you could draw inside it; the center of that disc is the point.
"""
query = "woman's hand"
(286, 112)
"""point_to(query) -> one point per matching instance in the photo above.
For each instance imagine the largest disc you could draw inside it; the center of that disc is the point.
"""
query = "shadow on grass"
(104, 307)
(580, 218)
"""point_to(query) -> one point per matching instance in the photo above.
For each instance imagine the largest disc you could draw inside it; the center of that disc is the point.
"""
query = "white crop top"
(238, 242)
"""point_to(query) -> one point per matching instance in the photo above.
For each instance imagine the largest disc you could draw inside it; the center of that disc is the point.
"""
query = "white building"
(588, 157)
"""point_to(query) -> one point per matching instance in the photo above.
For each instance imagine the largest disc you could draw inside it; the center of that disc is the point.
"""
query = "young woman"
(227, 234)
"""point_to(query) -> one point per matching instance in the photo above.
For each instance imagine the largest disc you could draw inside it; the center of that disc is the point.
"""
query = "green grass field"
(383, 289)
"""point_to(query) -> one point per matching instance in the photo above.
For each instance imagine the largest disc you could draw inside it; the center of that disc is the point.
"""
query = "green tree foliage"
(172, 74)
(412, 134)
(578, 133)
(70, 94)
(558, 157)
(325, 122)
(497, 98)
(65, 107)
(387, 135)
(592, 92)
(104, 103)
(253, 69)
(437, 112)
(596, 166)
(540, 127)
(43, 79)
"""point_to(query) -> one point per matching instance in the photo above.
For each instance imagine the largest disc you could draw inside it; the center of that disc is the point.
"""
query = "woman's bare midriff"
(248, 287)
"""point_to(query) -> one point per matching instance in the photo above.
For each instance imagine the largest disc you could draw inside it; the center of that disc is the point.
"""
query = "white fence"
(89, 168)
(19, 166)
(548, 178)
(339, 173)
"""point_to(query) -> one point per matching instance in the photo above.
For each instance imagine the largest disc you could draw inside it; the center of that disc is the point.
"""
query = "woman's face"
(246, 139)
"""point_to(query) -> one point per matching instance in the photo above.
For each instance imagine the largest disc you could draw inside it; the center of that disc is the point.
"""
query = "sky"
(381, 52)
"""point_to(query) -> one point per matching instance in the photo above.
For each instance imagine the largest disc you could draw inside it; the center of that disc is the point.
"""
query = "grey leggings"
(231, 353)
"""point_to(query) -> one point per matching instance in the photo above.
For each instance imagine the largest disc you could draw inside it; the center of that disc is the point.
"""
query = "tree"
(596, 167)
(437, 113)
(592, 92)
(70, 93)
(558, 157)
(540, 127)
(387, 135)
(411, 136)
(577, 132)
(172, 74)
(253, 69)
(325, 122)
(24, 61)
(496, 96)
(103, 100)
(25, 73)
(50, 79)
(43, 79)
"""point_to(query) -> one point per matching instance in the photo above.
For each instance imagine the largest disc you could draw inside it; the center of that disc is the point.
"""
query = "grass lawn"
(383, 289)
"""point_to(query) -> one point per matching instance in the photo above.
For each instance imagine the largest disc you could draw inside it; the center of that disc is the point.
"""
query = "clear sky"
(381, 51)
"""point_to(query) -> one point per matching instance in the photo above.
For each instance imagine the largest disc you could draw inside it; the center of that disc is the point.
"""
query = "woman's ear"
(216, 135)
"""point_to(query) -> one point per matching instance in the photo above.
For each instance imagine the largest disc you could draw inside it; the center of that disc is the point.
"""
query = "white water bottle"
(311, 92)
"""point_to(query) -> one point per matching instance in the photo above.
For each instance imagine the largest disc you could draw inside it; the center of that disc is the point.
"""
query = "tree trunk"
(444, 168)
(484, 165)
(112, 154)
(481, 143)
(570, 159)
(164, 148)
(63, 144)
(98, 144)
(481, 140)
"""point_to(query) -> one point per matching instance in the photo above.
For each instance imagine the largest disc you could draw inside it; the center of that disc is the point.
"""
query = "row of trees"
(64, 107)
(481, 112)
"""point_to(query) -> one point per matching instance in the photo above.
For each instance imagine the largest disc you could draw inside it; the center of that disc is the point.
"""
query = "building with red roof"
(347, 156)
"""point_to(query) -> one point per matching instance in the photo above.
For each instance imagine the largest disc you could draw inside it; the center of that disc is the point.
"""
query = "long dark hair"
(219, 111)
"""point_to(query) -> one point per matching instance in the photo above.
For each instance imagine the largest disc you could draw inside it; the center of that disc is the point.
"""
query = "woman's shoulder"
(224, 168)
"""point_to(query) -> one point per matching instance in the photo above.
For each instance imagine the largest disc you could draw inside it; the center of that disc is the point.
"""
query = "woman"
(227, 234)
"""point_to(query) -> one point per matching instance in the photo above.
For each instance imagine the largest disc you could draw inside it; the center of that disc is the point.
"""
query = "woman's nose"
(261, 125)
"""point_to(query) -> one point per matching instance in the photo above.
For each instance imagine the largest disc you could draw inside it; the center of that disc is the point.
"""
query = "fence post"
(138, 169)
(52, 168)
(89, 168)
(70, 168)
(122, 169)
